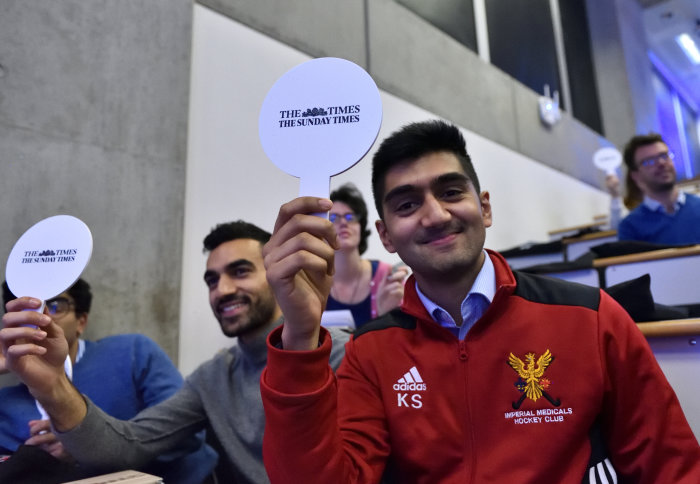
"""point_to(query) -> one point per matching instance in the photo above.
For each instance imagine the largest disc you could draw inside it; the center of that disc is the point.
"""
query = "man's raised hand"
(33, 346)
(299, 264)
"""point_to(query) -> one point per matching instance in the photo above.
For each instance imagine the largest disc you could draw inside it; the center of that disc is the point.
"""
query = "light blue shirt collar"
(655, 205)
(81, 350)
(483, 289)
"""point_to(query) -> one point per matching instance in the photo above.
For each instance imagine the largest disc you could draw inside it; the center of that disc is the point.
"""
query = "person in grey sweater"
(221, 396)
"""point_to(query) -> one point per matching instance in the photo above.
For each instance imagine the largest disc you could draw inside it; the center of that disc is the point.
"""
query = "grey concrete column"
(93, 123)
(623, 69)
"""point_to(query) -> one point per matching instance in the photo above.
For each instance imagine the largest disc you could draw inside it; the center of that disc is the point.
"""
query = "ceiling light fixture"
(690, 48)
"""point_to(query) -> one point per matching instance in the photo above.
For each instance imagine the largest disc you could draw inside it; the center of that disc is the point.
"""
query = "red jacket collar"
(505, 283)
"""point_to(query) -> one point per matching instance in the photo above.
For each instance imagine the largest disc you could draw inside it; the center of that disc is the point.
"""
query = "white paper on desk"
(123, 477)
(337, 318)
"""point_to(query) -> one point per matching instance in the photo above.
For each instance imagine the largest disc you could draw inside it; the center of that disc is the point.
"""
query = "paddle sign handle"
(40, 309)
(315, 186)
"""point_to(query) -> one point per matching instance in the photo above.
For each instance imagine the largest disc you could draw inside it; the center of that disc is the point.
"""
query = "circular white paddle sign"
(607, 159)
(318, 120)
(49, 257)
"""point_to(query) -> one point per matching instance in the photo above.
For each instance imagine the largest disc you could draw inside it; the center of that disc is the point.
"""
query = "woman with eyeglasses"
(368, 288)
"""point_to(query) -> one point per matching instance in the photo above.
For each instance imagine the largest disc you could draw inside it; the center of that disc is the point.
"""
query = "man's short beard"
(666, 187)
(260, 314)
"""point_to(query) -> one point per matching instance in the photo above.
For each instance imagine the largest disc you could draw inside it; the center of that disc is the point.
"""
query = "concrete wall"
(93, 113)
(622, 68)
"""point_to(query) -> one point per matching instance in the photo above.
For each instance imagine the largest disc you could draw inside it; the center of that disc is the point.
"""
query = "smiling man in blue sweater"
(666, 215)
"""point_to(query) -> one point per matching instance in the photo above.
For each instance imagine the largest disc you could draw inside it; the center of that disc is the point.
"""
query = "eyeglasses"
(337, 217)
(656, 159)
(59, 306)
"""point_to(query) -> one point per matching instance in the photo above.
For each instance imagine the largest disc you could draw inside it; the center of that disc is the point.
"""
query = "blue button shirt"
(656, 206)
(473, 306)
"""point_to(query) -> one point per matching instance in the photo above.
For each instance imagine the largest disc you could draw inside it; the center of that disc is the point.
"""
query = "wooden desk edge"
(676, 327)
(592, 236)
(564, 230)
(647, 256)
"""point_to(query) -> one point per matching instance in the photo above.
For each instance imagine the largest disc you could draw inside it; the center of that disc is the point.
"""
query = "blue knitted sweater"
(646, 225)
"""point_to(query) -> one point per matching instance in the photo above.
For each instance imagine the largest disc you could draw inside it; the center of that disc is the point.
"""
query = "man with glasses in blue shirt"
(666, 214)
(122, 374)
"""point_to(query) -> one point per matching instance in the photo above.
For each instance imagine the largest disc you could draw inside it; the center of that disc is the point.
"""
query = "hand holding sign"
(49, 257)
(318, 120)
(47, 260)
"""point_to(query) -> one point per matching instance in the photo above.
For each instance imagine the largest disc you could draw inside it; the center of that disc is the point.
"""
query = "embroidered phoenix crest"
(531, 382)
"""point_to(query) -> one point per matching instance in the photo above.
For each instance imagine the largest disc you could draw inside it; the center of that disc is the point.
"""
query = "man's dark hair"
(637, 142)
(351, 196)
(234, 230)
(80, 292)
(414, 141)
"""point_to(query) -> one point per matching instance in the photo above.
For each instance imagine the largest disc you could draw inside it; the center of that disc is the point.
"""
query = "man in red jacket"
(482, 375)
